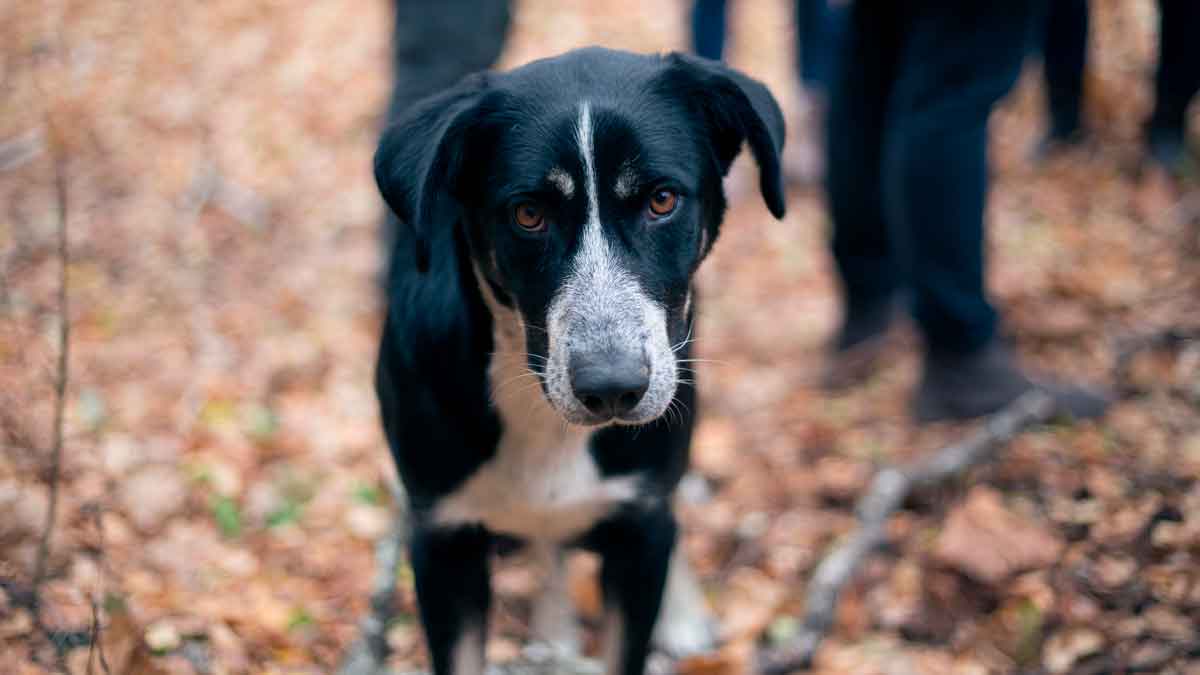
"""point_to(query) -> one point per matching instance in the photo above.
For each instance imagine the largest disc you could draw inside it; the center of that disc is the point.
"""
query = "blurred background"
(222, 475)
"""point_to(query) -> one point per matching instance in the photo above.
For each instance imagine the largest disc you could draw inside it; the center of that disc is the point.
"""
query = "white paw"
(681, 636)
(554, 625)
(685, 626)
(553, 621)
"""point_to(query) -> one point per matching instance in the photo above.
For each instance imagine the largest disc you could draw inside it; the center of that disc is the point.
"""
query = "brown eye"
(663, 202)
(530, 217)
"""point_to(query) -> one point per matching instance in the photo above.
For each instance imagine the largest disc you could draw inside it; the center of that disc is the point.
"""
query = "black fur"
(451, 169)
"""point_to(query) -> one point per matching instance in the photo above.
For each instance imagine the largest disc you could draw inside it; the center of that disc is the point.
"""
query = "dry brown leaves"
(224, 473)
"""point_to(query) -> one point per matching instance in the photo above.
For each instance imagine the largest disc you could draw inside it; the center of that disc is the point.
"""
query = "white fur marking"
(627, 181)
(553, 613)
(614, 642)
(586, 151)
(467, 657)
(685, 626)
(562, 180)
(542, 483)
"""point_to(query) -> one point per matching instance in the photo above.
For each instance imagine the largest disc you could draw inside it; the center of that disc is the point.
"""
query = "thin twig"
(60, 382)
(886, 494)
(91, 660)
(95, 645)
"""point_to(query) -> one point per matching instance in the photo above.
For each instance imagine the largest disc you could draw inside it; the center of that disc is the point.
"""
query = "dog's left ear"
(736, 108)
(421, 164)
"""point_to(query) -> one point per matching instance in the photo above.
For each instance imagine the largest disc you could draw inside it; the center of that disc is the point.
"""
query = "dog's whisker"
(681, 345)
(686, 409)
(505, 388)
(675, 406)
(686, 339)
(517, 377)
(714, 361)
(515, 357)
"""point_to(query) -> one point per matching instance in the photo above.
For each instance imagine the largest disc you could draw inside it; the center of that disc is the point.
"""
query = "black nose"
(610, 385)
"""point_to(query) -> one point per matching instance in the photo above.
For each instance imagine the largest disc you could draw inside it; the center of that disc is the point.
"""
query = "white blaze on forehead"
(587, 153)
(562, 180)
(595, 270)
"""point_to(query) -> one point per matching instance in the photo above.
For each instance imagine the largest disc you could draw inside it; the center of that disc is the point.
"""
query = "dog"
(533, 374)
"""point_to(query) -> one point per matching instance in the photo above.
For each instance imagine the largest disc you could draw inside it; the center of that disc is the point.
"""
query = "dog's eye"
(663, 203)
(530, 217)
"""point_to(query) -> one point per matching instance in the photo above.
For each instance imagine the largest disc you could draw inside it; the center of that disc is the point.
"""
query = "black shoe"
(859, 343)
(960, 387)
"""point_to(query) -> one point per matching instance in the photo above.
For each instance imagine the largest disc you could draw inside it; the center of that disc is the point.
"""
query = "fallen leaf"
(985, 540)
(162, 636)
(152, 495)
(1067, 647)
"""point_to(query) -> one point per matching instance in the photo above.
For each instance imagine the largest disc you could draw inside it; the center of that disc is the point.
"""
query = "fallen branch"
(19, 150)
(887, 492)
(369, 654)
(96, 646)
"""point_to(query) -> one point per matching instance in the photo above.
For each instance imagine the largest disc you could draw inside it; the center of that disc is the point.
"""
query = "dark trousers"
(907, 156)
(435, 44)
(1178, 78)
(819, 27)
(1175, 84)
(1064, 53)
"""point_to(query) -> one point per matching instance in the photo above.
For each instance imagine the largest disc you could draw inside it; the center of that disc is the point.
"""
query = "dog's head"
(588, 187)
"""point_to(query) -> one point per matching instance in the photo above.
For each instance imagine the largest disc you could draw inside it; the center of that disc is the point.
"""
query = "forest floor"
(223, 477)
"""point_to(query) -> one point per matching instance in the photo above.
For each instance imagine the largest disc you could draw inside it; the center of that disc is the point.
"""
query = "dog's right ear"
(737, 109)
(419, 164)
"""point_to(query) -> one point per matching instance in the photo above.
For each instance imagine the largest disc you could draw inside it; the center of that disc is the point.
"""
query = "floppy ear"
(419, 163)
(736, 108)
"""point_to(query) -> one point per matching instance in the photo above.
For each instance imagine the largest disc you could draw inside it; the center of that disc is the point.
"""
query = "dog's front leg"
(450, 570)
(636, 550)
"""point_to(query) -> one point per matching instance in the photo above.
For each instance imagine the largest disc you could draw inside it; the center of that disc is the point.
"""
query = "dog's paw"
(562, 637)
(553, 621)
(685, 627)
(680, 636)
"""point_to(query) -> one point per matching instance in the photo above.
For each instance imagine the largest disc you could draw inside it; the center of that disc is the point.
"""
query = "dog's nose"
(610, 385)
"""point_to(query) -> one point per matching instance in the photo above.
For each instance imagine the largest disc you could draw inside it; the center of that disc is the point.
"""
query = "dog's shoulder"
(431, 373)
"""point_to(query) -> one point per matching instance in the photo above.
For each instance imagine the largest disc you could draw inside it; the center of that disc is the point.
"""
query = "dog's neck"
(531, 423)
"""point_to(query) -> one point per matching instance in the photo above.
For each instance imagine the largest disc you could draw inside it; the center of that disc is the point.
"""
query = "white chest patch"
(542, 483)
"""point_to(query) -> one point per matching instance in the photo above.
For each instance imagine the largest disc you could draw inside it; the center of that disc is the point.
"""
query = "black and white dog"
(538, 325)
